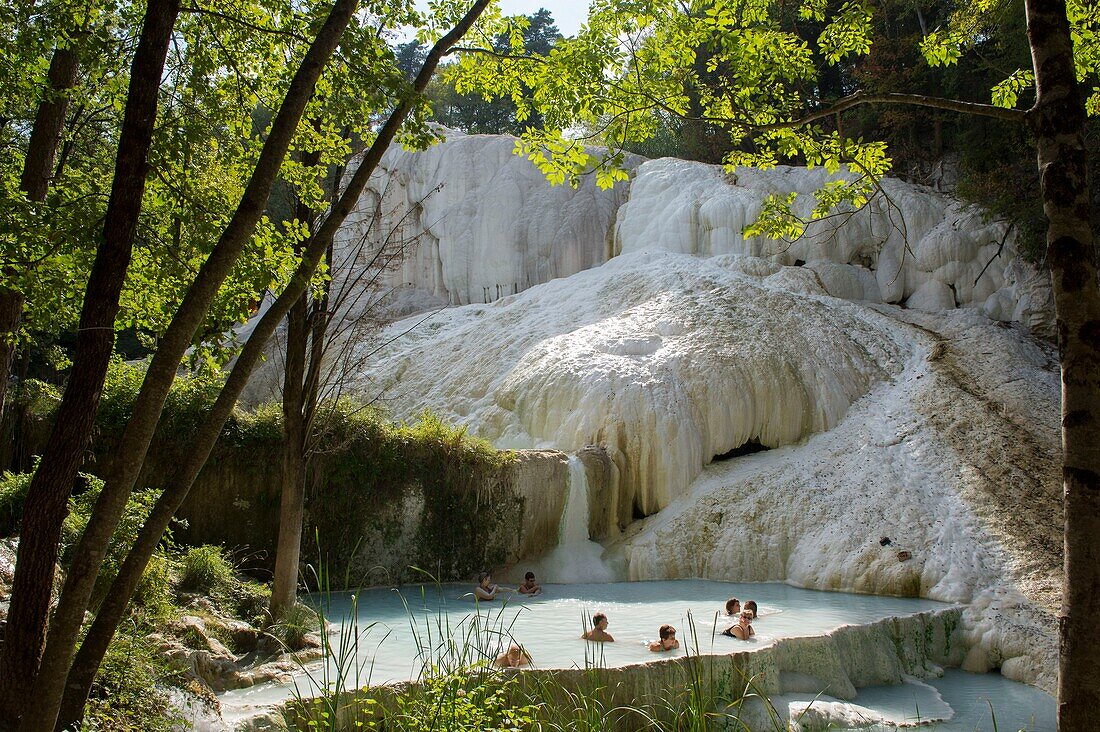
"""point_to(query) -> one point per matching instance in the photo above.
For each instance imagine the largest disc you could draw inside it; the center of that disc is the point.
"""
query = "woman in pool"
(667, 641)
(514, 657)
(751, 605)
(485, 589)
(742, 630)
(733, 607)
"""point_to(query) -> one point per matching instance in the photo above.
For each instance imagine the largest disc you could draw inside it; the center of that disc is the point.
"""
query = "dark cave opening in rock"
(747, 448)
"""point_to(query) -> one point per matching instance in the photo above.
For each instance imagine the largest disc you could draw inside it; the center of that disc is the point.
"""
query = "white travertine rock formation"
(482, 222)
(909, 242)
(937, 430)
(931, 424)
(665, 359)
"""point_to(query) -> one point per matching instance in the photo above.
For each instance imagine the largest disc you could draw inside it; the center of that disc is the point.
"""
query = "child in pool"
(514, 657)
(667, 641)
(529, 586)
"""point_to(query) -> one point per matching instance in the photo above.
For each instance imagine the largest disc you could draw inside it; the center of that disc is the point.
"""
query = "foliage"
(205, 570)
(760, 72)
(469, 111)
(126, 696)
(13, 492)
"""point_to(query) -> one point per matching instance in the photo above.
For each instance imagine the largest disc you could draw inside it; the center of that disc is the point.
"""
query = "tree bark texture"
(284, 585)
(111, 613)
(49, 121)
(122, 471)
(47, 496)
(1058, 122)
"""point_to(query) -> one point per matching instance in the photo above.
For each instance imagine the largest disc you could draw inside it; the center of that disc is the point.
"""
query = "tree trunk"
(125, 465)
(49, 121)
(1058, 122)
(284, 587)
(87, 660)
(47, 497)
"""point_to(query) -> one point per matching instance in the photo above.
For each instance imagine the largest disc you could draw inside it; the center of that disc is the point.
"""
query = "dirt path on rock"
(1010, 460)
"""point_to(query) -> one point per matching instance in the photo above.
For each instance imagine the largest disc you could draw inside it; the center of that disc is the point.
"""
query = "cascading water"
(575, 558)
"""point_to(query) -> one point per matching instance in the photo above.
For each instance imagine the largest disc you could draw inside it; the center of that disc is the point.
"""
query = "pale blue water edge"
(399, 630)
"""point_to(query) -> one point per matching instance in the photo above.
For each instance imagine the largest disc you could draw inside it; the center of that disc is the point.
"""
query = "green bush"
(250, 601)
(13, 492)
(125, 696)
(206, 570)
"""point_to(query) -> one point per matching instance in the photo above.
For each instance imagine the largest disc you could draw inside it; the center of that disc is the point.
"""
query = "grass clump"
(207, 570)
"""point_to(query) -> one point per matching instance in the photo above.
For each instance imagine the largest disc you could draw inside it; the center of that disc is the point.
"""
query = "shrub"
(125, 696)
(206, 570)
(296, 623)
(250, 601)
(13, 492)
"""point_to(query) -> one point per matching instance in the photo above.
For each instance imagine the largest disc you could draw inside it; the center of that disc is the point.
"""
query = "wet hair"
(597, 618)
(729, 605)
(751, 605)
(666, 632)
(483, 576)
(529, 576)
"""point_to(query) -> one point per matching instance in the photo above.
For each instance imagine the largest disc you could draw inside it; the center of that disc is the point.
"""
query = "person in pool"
(599, 630)
(485, 589)
(514, 657)
(529, 586)
(751, 605)
(733, 606)
(742, 629)
(667, 641)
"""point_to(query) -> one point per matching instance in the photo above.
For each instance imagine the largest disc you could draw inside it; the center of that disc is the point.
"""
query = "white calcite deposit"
(480, 222)
(868, 355)
(909, 244)
(664, 359)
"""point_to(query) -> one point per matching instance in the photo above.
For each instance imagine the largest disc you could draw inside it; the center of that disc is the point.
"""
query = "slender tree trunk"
(49, 121)
(1058, 122)
(284, 587)
(87, 660)
(47, 497)
(126, 462)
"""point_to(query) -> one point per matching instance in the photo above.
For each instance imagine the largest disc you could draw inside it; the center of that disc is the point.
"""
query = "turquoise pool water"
(398, 630)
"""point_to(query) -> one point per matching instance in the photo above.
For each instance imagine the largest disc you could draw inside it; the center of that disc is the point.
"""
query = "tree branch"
(919, 100)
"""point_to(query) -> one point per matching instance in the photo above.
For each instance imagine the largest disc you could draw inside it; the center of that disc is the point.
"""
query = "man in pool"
(514, 657)
(599, 630)
(667, 641)
(485, 589)
(529, 586)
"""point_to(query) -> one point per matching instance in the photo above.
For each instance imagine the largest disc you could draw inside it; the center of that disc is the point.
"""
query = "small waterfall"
(573, 528)
(575, 558)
